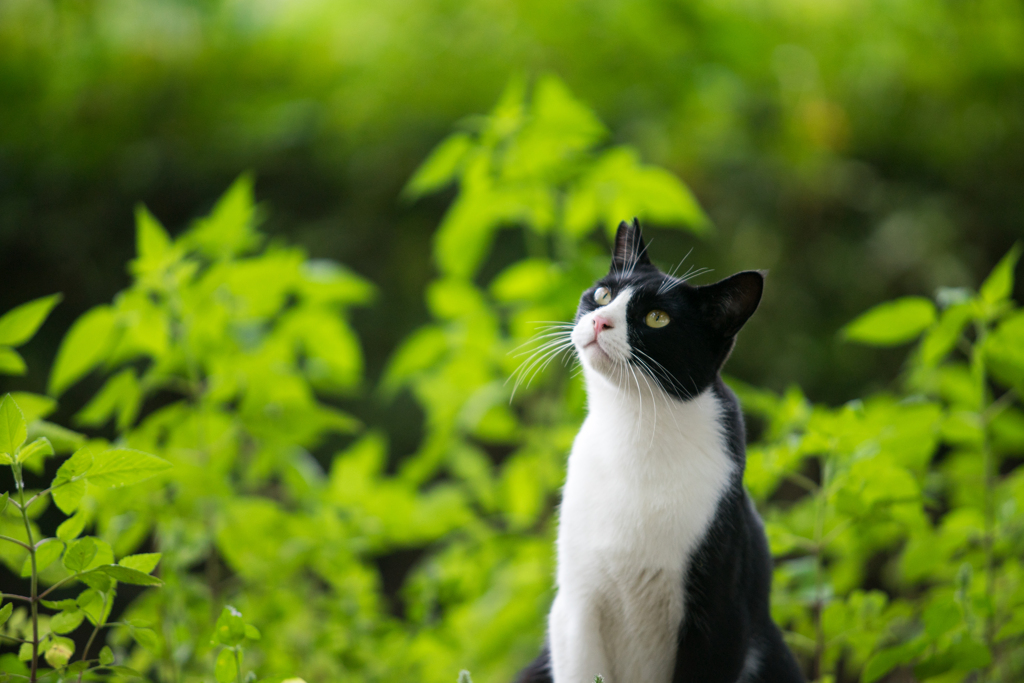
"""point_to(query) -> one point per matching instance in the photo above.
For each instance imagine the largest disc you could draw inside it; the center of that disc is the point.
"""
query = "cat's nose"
(601, 324)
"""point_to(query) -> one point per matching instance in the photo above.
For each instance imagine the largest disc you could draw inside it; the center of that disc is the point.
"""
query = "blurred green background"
(859, 150)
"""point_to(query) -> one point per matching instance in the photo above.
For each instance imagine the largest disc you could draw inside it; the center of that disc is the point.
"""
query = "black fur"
(729, 578)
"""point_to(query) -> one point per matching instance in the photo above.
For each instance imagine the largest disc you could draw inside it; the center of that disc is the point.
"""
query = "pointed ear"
(729, 303)
(630, 250)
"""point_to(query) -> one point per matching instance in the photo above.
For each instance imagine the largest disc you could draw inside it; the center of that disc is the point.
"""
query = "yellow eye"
(603, 296)
(656, 318)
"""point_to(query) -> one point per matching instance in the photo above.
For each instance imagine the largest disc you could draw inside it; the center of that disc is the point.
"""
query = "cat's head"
(637, 319)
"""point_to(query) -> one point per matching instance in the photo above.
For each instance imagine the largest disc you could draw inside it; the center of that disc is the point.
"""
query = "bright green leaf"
(147, 638)
(230, 628)
(106, 656)
(46, 554)
(892, 323)
(72, 527)
(83, 348)
(67, 494)
(441, 167)
(13, 430)
(998, 286)
(123, 466)
(40, 446)
(19, 324)
(11, 362)
(143, 562)
(79, 554)
(226, 669)
(5, 613)
(63, 440)
(128, 575)
(66, 622)
(251, 632)
(33, 406)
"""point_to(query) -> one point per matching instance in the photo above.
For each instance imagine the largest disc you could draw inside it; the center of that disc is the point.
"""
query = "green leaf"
(98, 581)
(40, 446)
(59, 652)
(143, 562)
(66, 622)
(998, 286)
(63, 440)
(229, 230)
(19, 324)
(11, 362)
(441, 167)
(888, 659)
(25, 652)
(5, 613)
(226, 669)
(46, 554)
(127, 575)
(152, 243)
(230, 628)
(63, 605)
(942, 337)
(67, 494)
(120, 396)
(123, 466)
(94, 601)
(147, 638)
(80, 554)
(892, 323)
(106, 656)
(72, 527)
(83, 348)
(3, 501)
(76, 667)
(33, 406)
(251, 632)
(13, 430)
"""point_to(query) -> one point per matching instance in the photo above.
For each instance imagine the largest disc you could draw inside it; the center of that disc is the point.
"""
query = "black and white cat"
(663, 566)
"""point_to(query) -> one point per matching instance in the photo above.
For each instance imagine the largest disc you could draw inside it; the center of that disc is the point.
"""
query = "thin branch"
(12, 596)
(59, 584)
(14, 540)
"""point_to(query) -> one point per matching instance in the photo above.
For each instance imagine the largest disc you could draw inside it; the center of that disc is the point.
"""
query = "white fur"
(645, 476)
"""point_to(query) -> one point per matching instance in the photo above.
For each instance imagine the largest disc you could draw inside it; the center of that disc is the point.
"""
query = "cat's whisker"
(537, 362)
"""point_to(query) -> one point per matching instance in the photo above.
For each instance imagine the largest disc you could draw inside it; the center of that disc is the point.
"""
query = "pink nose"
(601, 324)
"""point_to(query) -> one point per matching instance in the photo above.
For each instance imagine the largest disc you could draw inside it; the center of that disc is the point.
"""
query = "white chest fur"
(646, 474)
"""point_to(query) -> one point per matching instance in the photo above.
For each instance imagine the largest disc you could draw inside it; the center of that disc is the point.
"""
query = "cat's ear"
(728, 304)
(630, 250)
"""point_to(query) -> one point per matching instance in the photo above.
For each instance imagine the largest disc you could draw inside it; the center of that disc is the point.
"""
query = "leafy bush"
(894, 518)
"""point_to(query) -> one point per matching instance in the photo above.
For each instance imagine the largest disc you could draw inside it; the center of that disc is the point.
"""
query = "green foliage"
(86, 560)
(917, 491)
(895, 519)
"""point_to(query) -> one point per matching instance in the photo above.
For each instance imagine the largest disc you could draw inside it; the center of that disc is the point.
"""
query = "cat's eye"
(603, 296)
(656, 318)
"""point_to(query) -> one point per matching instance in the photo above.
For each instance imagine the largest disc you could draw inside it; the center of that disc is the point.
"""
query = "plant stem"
(59, 584)
(14, 540)
(99, 625)
(35, 578)
(12, 596)
(238, 662)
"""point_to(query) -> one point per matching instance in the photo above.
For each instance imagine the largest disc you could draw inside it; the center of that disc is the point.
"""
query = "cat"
(663, 565)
